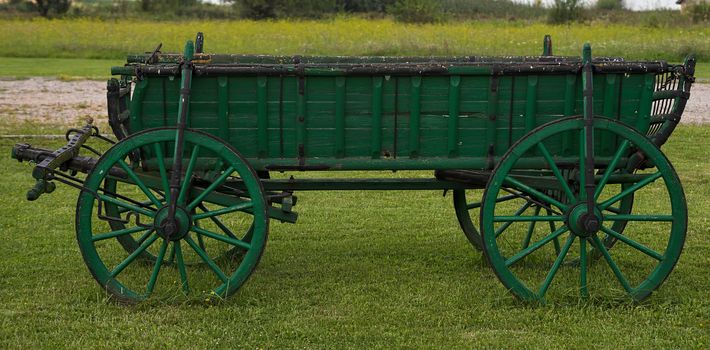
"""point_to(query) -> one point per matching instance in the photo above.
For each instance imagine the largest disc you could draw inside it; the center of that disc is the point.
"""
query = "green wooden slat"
(491, 129)
(261, 117)
(611, 104)
(454, 99)
(340, 117)
(531, 103)
(569, 105)
(376, 139)
(414, 115)
(644, 117)
(223, 108)
(136, 123)
(300, 114)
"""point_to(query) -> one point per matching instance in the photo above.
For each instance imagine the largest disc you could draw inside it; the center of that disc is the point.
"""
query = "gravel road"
(71, 102)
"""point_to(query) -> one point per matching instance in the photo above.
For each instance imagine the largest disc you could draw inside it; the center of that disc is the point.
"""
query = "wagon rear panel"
(387, 121)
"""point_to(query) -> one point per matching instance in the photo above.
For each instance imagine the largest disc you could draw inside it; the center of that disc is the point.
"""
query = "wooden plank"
(261, 118)
(223, 108)
(376, 138)
(339, 117)
(414, 116)
(454, 99)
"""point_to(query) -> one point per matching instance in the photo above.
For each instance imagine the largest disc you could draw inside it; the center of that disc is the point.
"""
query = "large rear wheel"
(532, 252)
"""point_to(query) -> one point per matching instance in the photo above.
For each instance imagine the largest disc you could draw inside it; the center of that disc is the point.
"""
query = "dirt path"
(72, 102)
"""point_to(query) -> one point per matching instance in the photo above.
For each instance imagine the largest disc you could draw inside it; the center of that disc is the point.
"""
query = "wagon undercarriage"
(574, 183)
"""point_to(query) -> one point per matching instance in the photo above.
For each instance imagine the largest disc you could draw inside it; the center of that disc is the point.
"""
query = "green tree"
(565, 11)
(47, 8)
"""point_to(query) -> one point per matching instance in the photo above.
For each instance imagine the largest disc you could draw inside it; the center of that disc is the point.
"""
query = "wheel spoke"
(526, 218)
(117, 233)
(612, 264)
(144, 236)
(237, 207)
(181, 267)
(553, 228)
(505, 198)
(143, 204)
(556, 171)
(639, 217)
(161, 167)
(508, 223)
(210, 188)
(156, 268)
(130, 207)
(218, 222)
(583, 290)
(171, 257)
(225, 239)
(206, 259)
(120, 267)
(525, 252)
(631, 189)
(556, 265)
(139, 183)
(640, 247)
(614, 210)
(531, 229)
(539, 195)
(610, 168)
(188, 174)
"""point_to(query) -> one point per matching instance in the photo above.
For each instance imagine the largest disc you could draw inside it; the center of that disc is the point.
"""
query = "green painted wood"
(492, 112)
(301, 117)
(611, 106)
(414, 116)
(340, 117)
(337, 118)
(261, 117)
(453, 125)
(136, 123)
(531, 103)
(223, 108)
(644, 114)
(376, 110)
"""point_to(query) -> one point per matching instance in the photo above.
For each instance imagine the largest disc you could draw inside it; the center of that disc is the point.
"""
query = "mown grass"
(359, 270)
(90, 38)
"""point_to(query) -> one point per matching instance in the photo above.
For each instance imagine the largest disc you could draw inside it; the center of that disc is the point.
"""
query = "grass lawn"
(63, 68)
(88, 38)
(359, 270)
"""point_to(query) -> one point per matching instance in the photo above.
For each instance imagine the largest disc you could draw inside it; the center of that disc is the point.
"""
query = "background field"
(113, 40)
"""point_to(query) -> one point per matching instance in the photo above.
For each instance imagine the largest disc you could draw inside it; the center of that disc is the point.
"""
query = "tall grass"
(91, 38)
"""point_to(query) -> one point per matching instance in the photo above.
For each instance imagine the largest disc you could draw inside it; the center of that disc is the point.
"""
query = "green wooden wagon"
(566, 150)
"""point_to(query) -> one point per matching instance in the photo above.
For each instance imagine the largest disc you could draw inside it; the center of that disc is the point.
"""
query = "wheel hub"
(583, 223)
(172, 229)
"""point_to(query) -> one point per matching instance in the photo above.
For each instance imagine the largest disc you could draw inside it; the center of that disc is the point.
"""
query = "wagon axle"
(172, 229)
(582, 223)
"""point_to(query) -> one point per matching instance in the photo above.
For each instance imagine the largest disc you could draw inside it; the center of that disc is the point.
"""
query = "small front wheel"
(221, 208)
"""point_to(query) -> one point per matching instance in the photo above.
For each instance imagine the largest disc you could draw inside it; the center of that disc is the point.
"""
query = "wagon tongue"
(65, 158)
